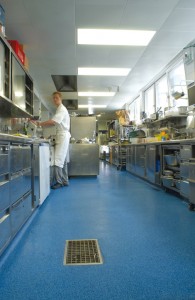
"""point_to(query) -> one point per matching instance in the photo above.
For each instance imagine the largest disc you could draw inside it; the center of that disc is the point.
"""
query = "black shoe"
(56, 186)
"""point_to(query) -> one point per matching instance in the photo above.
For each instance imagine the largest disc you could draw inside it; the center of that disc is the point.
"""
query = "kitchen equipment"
(168, 172)
(177, 184)
(182, 110)
(167, 181)
(171, 160)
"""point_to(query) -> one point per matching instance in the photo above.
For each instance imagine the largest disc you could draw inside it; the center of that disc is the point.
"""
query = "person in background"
(61, 120)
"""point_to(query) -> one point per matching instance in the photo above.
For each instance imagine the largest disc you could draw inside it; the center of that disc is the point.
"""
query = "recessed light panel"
(96, 94)
(92, 105)
(103, 71)
(114, 37)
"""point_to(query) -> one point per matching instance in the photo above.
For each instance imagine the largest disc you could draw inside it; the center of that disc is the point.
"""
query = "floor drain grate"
(82, 252)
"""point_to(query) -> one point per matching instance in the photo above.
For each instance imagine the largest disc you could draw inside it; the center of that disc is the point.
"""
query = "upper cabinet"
(16, 85)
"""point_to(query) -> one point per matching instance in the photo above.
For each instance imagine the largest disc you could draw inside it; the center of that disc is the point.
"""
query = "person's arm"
(44, 124)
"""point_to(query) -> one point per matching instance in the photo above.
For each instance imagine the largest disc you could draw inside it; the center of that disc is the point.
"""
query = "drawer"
(5, 230)
(192, 192)
(16, 159)
(20, 185)
(27, 205)
(192, 171)
(4, 192)
(184, 169)
(186, 152)
(20, 211)
(4, 165)
(184, 188)
(26, 157)
(16, 188)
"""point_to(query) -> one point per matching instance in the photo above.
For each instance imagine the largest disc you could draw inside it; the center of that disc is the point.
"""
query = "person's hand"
(35, 122)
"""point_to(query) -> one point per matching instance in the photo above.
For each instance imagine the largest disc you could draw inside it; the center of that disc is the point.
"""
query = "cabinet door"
(16, 157)
(18, 84)
(20, 211)
(2, 69)
(140, 160)
(151, 163)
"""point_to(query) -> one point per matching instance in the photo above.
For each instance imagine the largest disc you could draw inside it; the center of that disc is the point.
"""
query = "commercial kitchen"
(124, 227)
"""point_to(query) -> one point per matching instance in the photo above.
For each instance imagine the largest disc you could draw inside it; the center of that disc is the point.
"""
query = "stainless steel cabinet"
(27, 156)
(151, 163)
(16, 158)
(4, 195)
(19, 185)
(185, 152)
(20, 211)
(4, 163)
(192, 182)
(140, 152)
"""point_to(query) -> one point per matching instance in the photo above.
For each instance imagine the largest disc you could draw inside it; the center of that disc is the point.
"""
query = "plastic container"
(18, 50)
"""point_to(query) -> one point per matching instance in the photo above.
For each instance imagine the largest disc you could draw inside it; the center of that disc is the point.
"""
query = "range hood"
(65, 83)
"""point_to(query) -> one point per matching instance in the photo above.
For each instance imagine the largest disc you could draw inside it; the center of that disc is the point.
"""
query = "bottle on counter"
(24, 129)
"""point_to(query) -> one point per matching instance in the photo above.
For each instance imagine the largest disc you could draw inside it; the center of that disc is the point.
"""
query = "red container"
(18, 50)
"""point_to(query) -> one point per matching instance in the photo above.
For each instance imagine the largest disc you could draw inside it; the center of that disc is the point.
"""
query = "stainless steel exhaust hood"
(65, 83)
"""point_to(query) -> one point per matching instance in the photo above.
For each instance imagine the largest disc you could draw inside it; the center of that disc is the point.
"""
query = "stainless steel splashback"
(82, 127)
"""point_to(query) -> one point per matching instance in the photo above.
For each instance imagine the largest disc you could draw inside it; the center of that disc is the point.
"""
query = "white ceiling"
(47, 28)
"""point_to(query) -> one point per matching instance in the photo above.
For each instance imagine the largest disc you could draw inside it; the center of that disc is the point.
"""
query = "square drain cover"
(82, 252)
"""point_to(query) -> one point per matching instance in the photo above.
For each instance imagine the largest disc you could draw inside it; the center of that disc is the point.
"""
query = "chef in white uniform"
(61, 120)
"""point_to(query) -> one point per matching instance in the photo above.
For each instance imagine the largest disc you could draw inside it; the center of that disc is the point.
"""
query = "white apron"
(61, 148)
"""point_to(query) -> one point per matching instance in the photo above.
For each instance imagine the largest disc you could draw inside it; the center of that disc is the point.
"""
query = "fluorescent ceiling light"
(104, 71)
(92, 105)
(96, 94)
(114, 37)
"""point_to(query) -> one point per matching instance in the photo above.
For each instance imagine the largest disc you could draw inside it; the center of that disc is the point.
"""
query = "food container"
(18, 50)
(167, 181)
(168, 172)
(171, 160)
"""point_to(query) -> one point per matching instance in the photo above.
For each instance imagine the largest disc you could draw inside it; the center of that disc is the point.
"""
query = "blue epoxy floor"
(147, 238)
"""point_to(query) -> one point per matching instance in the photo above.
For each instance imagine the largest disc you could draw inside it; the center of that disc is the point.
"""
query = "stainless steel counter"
(18, 139)
(84, 160)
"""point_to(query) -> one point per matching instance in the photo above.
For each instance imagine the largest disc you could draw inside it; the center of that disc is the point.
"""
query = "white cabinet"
(44, 165)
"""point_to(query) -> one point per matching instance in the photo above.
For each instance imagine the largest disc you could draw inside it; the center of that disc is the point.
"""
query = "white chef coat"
(62, 120)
